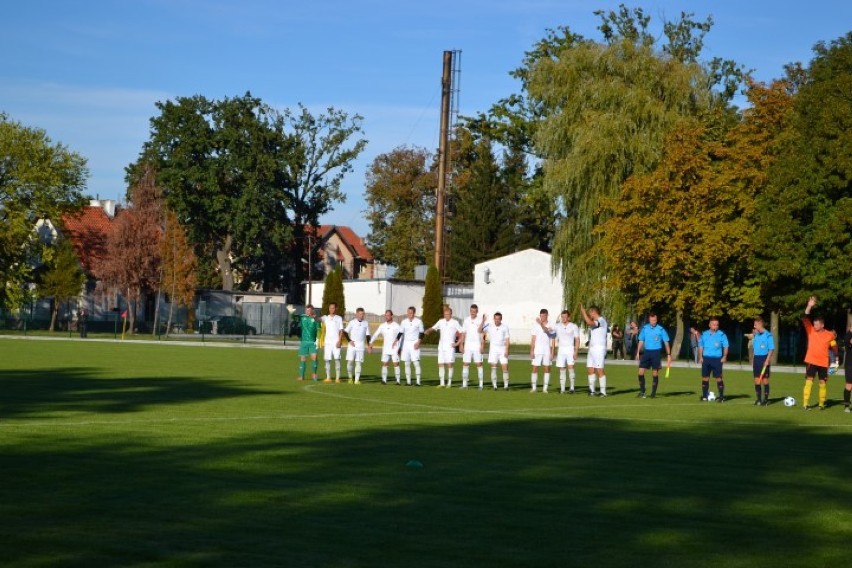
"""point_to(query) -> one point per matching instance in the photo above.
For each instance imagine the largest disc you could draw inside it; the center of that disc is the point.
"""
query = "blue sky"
(89, 72)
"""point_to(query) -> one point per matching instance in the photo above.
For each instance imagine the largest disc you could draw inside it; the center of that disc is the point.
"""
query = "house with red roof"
(338, 245)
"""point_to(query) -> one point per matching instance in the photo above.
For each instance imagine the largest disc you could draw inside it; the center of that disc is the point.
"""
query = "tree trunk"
(156, 314)
(774, 328)
(54, 313)
(223, 257)
(678, 338)
(131, 311)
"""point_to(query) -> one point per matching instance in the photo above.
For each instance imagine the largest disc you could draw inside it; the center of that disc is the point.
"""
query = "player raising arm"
(820, 342)
(597, 347)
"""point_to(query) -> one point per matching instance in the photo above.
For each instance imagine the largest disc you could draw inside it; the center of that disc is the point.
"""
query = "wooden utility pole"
(443, 160)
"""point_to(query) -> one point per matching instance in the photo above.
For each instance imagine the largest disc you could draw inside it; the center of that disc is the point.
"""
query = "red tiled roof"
(87, 231)
(348, 236)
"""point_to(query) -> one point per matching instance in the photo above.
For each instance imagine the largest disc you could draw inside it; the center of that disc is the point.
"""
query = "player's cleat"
(505, 388)
(720, 399)
(653, 396)
(592, 393)
(337, 381)
(822, 407)
(399, 384)
(543, 391)
(640, 395)
(806, 407)
(327, 380)
(766, 402)
(351, 381)
(480, 387)
(602, 395)
(357, 382)
(300, 378)
(704, 399)
(758, 403)
(384, 382)
(532, 390)
(847, 410)
(571, 391)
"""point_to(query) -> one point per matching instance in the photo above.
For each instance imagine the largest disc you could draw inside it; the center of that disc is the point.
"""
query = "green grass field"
(134, 454)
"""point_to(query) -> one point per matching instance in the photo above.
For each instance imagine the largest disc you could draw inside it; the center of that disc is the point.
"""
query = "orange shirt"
(819, 343)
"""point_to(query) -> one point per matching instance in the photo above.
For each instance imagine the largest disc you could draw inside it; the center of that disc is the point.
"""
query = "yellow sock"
(822, 393)
(806, 397)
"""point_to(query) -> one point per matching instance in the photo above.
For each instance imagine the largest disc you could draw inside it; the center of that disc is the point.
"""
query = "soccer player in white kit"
(541, 349)
(473, 344)
(449, 330)
(358, 332)
(333, 324)
(412, 333)
(568, 340)
(390, 332)
(597, 347)
(498, 349)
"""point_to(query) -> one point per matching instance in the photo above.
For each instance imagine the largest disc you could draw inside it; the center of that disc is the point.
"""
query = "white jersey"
(448, 330)
(542, 334)
(498, 337)
(333, 327)
(597, 334)
(567, 334)
(472, 339)
(358, 330)
(388, 332)
(411, 330)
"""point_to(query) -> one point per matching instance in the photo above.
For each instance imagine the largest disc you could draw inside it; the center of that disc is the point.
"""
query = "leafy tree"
(433, 302)
(38, 179)
(178, 267)
(132, 259)
(806, 220)
(63, 278)
(607, 108)
(325, 147)
(400, 197)
(333, 291)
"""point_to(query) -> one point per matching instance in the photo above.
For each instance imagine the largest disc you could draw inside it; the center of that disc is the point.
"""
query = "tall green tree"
(38, 179)
(333, 291)
(433, 302)
(804, 245)
(607, 108)
(62, 279)
(400, 195)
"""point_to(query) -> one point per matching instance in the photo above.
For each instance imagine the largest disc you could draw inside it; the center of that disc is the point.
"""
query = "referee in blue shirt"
(764, 346)
(652, 337)
(712, 354)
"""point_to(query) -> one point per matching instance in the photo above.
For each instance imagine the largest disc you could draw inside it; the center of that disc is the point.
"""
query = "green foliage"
(63, 278)
(806, 219)
(39, 179)
(433, 302)
(333, 291)
(400, 197)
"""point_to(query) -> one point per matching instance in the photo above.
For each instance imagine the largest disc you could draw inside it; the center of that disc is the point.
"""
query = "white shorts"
(596, 356)
(332, 353)
(392, 356)
(409, 353)
(446, 356)
(541, 360)
(565, 358)
(356, 355)
(474, 355)
(495, 357)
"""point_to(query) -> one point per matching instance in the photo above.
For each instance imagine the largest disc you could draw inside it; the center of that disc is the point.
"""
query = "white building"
(518, 285)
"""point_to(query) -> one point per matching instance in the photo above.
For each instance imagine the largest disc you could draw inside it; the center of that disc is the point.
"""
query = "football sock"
(765, 392)
(822, 393)
(705, 388)
(506, 380)
(534, 380)
(562, 375)
(384, 374)
(450, 376)
(571, 377)
(654, 383)
(465, 374)
(642, 384)
(417, 371)
(357, 371)
(314, 365)
(592, 380)
(441, 375)
(603, 384)
(846, 394)
(757, 390)
(302, 367)
(328, 369)
(337, 369)
(494, 377)
(546, 380)
(408, 371)
(396, 371)
(806, 396)
(350, 367)
(721, 385)
(481, 373)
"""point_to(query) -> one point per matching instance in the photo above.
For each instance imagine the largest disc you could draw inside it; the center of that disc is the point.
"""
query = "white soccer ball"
(789, 401)
(711, 397)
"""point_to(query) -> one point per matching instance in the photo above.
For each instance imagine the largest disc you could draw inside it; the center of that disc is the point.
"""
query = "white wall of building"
(518, 285)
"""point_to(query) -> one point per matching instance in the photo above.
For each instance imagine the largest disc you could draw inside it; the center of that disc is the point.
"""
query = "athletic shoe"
(384, 382)
(758, 402)
(847, 410)
(806, 407)
(720, 399)
(505, 388)
(602, 395)
(653, 396)
(358, 382)
(337, 381)
(640, 395)
(543, 391)
(300, 378)
(704, 399)
(571, 391)
(480, 387)
(399, 384)
(440, 386)
(327, 380)
(592, 393)
(822, 407)
(351, 381)
(532, 390)
(766, 402)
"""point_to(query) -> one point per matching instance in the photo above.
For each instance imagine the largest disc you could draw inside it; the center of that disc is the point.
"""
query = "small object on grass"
(416, 464)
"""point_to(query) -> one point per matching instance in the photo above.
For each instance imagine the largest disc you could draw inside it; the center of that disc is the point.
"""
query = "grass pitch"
(133, 454)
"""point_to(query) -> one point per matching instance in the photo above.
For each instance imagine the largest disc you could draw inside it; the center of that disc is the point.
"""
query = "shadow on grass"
(30, 393)
(578, 492)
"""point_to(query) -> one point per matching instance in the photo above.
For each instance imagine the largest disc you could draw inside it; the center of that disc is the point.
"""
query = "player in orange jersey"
(820, 342)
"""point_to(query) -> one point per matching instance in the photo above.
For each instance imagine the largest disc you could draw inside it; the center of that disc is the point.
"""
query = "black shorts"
(651, 359)
(712, 366)
(816, 371)
(757, 366)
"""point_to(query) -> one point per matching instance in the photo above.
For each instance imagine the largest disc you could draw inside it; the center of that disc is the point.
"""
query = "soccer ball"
(789, 401)
(711, 397)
